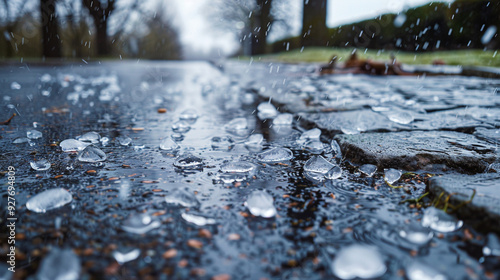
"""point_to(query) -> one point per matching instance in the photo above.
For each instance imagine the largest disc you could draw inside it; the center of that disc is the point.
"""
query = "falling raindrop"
(488, 35)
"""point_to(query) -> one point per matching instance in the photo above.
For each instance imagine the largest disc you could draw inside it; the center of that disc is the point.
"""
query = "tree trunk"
(51, 44)
(102, 38)
(314, 30)
(262, 25)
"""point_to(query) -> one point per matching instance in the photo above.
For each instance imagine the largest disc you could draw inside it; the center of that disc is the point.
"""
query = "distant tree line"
(462, 24)
(82, 29)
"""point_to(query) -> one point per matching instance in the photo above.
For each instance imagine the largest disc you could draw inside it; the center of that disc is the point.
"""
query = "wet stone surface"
(172, 205)
(484, 210)
(420, 150)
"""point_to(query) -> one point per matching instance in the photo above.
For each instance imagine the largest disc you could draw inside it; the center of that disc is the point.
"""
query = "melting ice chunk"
(260, 203)
(237, 167)
(72, 145)
(360, 261)
(90, 137)
(181, 127)
(334, 173)
(237, 126)
(15, 86)
(391, 175)
(416, 234)
(313, 134)
(315, 147)
(40, 165)
(283, 119)
(122, 257)
(224, 143)
(59, 265)
(183, 198)
(275, 155)
(124, 140)
(48, 200)
(91, 154)
(267, 111)
(318, 164)
(189, 115)
(419, 271)
(492, 247)
(440, 221)
(169, 145)
(140, 224)
(254, 142)
(401, 117)
(20, 140)
(188, 161)
(368, 169)
(198, 219)
(337, 152)
(34, 134)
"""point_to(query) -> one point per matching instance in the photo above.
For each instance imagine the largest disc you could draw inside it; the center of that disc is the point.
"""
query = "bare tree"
(100, 10)
(252, 20)
(314, 30)
(51, 44)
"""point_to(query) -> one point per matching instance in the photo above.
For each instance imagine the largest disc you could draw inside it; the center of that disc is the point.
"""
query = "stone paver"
(483, 211)
(426, 150)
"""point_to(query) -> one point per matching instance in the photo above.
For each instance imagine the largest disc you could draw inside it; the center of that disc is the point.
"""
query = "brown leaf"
(195, 243)
(170, 253)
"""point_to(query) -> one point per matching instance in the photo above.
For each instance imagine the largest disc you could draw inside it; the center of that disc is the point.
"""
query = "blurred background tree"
(314, 30)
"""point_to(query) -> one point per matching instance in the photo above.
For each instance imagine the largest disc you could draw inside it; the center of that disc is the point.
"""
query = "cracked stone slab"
(490, 135)
(419, 150)
(335, 122)
(483, 212)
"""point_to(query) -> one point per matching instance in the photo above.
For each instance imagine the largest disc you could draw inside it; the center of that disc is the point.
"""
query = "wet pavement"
(179, 173)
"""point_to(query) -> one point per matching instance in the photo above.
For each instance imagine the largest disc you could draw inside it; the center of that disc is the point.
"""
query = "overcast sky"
(200, 32)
